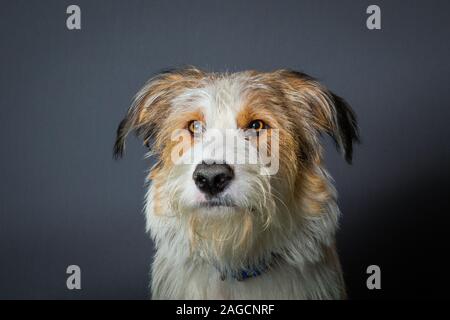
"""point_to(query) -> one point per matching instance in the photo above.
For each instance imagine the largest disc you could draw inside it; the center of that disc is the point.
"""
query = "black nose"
(212, 178)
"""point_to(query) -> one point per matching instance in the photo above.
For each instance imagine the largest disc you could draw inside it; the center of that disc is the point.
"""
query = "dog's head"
(237, 152)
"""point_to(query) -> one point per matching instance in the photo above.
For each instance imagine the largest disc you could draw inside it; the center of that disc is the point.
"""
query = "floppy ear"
(140, 119)
(151, 106)
(345, 129)
(326, 111)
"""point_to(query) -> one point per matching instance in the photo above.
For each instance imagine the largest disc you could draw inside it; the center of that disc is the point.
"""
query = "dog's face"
(236, 151)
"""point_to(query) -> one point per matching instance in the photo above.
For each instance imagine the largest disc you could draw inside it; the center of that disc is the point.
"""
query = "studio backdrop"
(66, 82)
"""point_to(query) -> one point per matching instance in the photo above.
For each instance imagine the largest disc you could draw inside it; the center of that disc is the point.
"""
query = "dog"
(227, 229)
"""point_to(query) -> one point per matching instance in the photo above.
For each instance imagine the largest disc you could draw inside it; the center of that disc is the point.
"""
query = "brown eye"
(257, 125)
(195, 127)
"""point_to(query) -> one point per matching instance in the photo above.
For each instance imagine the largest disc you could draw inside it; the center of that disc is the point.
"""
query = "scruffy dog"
(228, 220)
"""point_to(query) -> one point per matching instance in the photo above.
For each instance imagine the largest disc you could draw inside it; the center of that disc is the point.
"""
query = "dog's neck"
(251, 271)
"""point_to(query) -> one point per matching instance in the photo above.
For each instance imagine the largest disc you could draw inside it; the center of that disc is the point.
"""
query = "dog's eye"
(195, 127)
(257, 125)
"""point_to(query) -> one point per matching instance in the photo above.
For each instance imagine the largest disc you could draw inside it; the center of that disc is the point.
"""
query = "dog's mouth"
(217, 202)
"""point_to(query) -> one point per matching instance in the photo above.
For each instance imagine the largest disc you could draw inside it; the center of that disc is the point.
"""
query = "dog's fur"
(283, 223)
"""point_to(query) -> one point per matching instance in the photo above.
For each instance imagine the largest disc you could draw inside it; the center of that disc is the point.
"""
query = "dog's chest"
(204, 282)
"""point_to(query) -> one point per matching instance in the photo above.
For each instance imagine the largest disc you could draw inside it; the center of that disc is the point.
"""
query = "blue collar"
(246, 273)
(242, 274)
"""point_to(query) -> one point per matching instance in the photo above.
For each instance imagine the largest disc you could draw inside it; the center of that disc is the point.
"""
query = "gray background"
(63, 200)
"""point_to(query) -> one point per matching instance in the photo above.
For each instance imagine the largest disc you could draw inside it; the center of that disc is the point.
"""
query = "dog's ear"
(325, 111)
(151, 106)
(345, 127)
